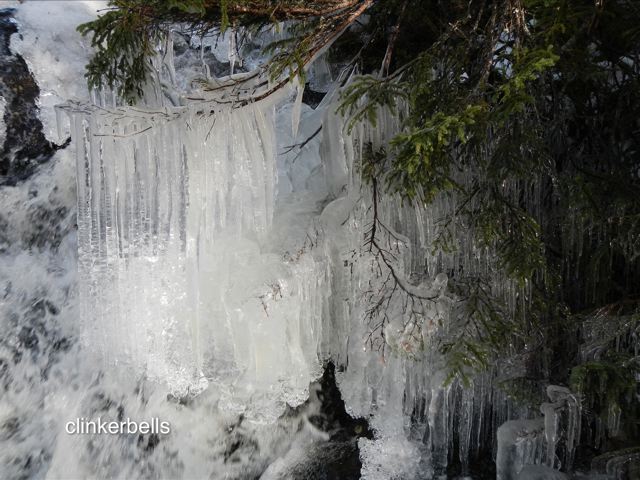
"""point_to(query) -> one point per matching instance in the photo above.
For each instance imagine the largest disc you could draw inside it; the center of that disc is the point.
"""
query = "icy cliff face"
(395, 305)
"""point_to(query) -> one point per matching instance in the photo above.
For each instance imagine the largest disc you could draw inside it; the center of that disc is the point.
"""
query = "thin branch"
(393, 37)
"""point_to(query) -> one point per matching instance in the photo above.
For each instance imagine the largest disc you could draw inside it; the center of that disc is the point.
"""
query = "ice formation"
(182, 282)
(562, 401)
(266, 286)
(393, 373)
(224, 257)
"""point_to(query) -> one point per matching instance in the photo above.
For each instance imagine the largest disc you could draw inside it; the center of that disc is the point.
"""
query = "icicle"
(439, 430)
(297, 107)
(60, 118)
(168, 59)
(232, 50)
(574, 428)
(550, 431)
(613, 419)
(205, 66)
(465, 419)
(563, 401)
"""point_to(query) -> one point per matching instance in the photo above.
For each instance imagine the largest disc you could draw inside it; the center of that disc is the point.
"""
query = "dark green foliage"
(608, 381)
(126, 35)
(123, 44)
(609, 388)
(482, 332)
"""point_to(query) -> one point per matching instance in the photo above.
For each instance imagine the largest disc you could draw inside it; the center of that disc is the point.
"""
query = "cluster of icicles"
(180, 283)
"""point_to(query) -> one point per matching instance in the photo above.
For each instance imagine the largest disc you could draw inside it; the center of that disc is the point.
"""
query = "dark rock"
(311, 97)
(340, 423)
(28, 338)
(148, 442)
(9, 428)
(25, 146)
(239, 447)
(339, 457)
(329, 461)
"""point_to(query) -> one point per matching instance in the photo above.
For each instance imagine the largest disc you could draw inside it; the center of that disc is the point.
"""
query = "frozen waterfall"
(198, 271)
(227, 283)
